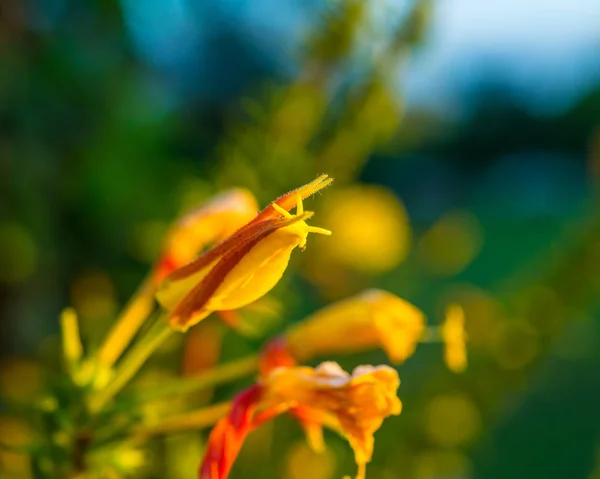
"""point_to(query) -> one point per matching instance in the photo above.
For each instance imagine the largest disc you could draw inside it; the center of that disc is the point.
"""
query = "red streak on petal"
(245, 234)
(202, 292)
(230, 257)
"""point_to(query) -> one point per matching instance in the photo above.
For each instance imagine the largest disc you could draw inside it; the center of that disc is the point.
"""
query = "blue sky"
(547, 50)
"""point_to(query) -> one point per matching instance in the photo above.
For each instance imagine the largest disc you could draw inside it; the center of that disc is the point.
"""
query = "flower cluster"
(355, 405)
(221, 258)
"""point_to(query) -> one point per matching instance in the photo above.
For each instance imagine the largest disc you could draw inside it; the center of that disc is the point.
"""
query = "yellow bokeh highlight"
(118, 461)
(18, 253)
(452, 420)
(301, 462)
(451, 244)
(371, 229)
(442, 464)
(129, 459)
(516, 344)
(93, 296)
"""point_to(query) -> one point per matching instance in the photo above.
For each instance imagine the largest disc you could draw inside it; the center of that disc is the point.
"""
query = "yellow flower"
(455, 338)
(354, 405)
(208, 224)
(371, 319)
(245, 266)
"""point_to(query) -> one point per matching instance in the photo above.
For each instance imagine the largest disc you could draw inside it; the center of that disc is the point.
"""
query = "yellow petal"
(374, 318)
(259, 270)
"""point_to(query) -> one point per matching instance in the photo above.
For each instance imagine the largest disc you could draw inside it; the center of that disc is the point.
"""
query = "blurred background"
(464, 137)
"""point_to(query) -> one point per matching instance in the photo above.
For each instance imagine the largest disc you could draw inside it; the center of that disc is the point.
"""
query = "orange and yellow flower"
(242, 268)
(354, 405)
(371, 319)
(188, 236)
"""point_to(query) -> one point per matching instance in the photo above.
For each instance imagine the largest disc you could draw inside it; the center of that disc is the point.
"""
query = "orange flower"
(245, 266)
(354, 405)
(371, 319)
(455, 338)
(210, 223)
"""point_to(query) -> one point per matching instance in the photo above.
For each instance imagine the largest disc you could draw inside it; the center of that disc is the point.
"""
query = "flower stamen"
(321, 231)
(283, 212)
(299, 205)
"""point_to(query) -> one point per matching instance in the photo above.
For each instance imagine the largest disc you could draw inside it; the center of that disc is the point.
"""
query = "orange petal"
(289, 200)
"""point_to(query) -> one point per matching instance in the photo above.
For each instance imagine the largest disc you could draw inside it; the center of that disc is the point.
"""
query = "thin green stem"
(132, 362)
(199, 419)
(219, 375)
(127, 325)
(432, 334)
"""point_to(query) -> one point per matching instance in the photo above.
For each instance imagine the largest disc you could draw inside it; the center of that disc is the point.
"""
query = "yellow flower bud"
(455, 338)
(242, 268)
(188, 236)
(371, 319)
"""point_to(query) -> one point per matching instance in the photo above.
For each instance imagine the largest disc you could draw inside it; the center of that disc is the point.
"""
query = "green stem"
(132, 362)
(195, 420)
(127, 325)
(219, 375)
(432, 334)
